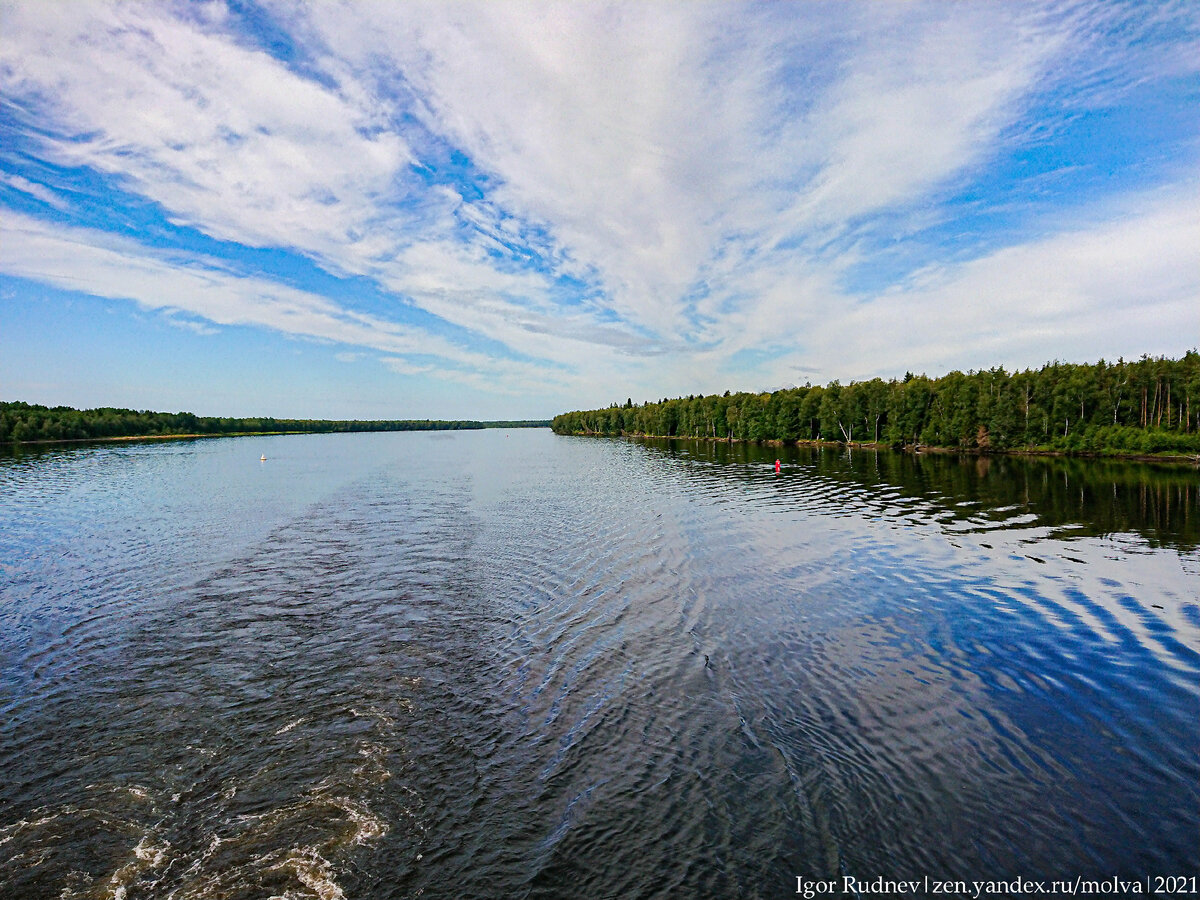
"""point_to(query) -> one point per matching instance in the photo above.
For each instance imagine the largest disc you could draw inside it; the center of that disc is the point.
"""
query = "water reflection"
(524, 665)
(1080, 497)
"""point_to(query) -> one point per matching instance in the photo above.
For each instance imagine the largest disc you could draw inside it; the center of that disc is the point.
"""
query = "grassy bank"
(1166, 457)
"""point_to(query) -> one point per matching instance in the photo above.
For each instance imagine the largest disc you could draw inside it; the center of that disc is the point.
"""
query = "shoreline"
(1170, 458)
(157, 437)
(1175, 458)
(229, 434)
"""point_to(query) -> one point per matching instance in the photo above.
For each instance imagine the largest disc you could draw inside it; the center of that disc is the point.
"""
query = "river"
(513, 664)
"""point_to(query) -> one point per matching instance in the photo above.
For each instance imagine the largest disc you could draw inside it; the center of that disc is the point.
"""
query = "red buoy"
(776, 467)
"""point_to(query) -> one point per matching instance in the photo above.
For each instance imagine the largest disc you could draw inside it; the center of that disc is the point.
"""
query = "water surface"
(511, 664)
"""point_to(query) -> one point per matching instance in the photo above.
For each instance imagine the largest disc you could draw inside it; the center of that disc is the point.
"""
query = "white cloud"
(599, 122)
(224, 137)
(106, 266)
(403, 367)
(1126, 286)
(675, 151)
(35, 190)
(926, 96)
(232, 142)
(173, 317)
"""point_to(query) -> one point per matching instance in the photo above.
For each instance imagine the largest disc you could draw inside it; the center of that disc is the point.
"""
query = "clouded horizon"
(503, 210)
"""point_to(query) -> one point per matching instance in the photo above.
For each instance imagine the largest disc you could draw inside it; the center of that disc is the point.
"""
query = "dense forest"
(24, 422)
(1124, 407)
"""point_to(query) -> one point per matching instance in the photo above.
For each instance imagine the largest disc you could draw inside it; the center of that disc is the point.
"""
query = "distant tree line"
(1125, 407)
(22, 422)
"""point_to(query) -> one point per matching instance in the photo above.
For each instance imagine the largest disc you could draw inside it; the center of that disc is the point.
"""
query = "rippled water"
(509, 664)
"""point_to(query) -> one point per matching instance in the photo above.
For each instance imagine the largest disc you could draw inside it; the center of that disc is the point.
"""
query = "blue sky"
(510, 210)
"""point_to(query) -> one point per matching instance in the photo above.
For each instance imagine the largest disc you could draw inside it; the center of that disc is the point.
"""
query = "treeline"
(1137, 407)
(22, 422)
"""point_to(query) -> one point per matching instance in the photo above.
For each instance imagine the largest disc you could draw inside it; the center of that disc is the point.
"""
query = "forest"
(26, 422)
(1138, 407)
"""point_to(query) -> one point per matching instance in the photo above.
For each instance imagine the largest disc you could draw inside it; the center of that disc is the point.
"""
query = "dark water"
(509, 664)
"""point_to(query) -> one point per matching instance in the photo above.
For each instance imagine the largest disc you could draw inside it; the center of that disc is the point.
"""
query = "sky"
(508, 210)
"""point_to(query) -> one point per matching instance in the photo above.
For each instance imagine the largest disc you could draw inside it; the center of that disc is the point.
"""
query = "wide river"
(511, 664)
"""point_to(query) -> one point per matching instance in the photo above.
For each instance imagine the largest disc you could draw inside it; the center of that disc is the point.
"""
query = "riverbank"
(1140, 409)
(152, 437)
(28, 423)
(916, 449)
(228, 434)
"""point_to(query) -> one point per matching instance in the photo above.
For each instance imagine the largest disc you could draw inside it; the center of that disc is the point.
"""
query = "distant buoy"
(263, 458)
(776, 466)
